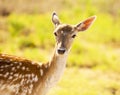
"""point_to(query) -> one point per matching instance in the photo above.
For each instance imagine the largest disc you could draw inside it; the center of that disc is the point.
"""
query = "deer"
(20, 76)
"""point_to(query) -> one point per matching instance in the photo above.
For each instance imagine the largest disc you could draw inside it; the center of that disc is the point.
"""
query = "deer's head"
(65, 33)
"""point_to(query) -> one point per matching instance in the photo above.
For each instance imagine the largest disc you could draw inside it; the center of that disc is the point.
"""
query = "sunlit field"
(93, 66)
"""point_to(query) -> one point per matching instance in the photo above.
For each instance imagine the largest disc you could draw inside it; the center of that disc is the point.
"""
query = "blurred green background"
(93, 66)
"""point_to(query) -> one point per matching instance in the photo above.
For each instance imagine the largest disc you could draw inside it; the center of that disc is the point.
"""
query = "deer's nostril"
(61, 51)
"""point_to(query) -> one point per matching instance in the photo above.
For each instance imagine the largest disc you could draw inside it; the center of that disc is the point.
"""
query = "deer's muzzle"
(61, 50)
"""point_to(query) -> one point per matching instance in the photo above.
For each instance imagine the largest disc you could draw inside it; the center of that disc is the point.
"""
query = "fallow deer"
(19, 76)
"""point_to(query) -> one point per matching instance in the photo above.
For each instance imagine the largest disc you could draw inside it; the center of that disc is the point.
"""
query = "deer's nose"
(61, 50)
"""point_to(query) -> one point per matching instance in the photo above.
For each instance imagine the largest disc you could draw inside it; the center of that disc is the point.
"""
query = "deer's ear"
(55, 19)
(84, 25)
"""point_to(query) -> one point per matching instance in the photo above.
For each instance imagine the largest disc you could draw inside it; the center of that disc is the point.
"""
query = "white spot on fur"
(10, 60)
(16, 75)
(27, 69)
(2, 67)
(11, 73)
(6, 74)
(28, 75)
(33, 75)
(35, 79)
(15, 62)
(31, 85)
(20, 76)
(20, 64)
(11, 64)
(23, 68)
(41, 72)
(22, 81)
(18, 67)
(1, 75)
(10, 77)
(32, 62)
(6, 66)
(13, 68)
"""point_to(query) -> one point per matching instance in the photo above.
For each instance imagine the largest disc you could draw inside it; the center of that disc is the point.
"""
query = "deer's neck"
(54, 71)
(57, 66)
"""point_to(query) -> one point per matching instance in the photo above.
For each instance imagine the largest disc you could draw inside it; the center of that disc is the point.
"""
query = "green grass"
(87, 82)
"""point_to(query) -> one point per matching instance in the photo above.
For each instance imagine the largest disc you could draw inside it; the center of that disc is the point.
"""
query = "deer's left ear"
(84, 25)
(55, 19)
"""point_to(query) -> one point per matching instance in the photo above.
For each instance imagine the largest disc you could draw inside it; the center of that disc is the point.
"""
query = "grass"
(87, 82)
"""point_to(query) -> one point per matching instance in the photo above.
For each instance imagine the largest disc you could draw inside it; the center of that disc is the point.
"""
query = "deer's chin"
(61, 53)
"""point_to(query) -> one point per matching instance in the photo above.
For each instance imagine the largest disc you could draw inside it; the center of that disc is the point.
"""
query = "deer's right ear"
(55, 19)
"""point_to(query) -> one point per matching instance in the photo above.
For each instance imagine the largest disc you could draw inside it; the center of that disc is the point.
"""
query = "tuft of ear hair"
(84, 25)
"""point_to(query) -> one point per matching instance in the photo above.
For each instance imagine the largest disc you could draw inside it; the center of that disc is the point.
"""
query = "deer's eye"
(73, 36)
(55, 34)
